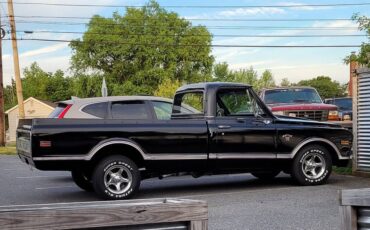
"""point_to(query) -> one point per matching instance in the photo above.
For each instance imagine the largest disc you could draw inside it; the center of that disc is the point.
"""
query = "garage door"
(363, 122)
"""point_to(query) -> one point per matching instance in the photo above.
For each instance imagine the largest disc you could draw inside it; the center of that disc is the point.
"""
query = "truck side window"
(130, 110)
(232, 102)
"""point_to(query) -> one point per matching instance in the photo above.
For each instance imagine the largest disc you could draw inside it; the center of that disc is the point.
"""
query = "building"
(33, 108)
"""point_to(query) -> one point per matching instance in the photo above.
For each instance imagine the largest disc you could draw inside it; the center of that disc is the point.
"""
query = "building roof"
(47, 103)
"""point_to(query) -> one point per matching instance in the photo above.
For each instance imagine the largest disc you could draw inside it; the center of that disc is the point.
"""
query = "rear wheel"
(312, 165)
(268, 175)
(81, 180)
(116, 177)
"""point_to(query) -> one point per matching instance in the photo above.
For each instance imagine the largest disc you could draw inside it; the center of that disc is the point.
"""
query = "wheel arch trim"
(310, 140)
(115, 141)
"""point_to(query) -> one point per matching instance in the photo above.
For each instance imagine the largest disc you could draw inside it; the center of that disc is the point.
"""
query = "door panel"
(246, 136)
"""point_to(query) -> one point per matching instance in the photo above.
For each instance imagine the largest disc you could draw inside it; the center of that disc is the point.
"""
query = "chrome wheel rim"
(313, 165)
(117, 179)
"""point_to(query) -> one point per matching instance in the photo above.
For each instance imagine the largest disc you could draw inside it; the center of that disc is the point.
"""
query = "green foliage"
(167, 88)
(221, 72)
(139, 54)
(285, 82)
(325, 86)
(363, 56)
(266, 80)
(10, 96)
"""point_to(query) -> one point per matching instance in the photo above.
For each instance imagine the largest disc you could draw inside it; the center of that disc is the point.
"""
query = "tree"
(247, 76)
(325, 86)
(46, 86)
(140, 49)
(363, 56)
(167, 88)
(10, 96)
(285, 82)
(266, 80)
(221, 72)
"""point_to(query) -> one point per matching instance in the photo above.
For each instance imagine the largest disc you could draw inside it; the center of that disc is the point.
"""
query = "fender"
(307, 141)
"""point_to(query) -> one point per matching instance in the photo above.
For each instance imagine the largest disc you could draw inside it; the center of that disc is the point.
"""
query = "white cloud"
(252, 11)
(244, 65)
(48, 64)
(44, 50)
(303, 6)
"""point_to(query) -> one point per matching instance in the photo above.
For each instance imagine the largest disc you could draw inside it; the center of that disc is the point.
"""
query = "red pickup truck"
(304, 102)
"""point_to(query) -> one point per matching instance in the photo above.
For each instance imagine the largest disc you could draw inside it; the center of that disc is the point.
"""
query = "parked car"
(303, 102)
(344, 105)
(228, 130)
(115, 107)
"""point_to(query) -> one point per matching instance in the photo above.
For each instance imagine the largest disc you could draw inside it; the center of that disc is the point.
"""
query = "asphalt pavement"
(235, 201)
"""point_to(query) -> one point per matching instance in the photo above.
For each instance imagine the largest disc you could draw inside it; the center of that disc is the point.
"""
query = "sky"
(294, 63)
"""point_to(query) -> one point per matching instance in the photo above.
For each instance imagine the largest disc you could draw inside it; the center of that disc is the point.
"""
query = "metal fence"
(361, 120)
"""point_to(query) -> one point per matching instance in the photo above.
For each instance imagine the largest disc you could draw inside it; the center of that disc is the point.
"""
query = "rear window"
(130, 110)
(57, 111)
(96, 109)
(189, 103)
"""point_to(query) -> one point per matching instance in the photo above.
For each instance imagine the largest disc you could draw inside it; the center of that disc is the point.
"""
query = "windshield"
(342, 103)
(291, 96)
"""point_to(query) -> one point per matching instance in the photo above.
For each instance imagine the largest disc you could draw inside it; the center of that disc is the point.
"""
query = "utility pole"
(18, 82)
(2, 115)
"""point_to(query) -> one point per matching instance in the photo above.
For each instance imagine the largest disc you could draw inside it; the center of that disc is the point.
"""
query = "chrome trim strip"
(159, 156)
(59, 158)
(303, 143)
(246, 155)
(177, 156)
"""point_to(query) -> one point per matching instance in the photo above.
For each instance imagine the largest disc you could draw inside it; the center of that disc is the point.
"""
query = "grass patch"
(342, 170)
(8, 150)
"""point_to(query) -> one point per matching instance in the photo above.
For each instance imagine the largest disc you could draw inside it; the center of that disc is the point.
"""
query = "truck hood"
(296, 120)
(303, 106)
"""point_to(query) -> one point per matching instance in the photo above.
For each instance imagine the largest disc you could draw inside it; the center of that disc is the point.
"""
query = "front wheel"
(116, 177)
(312, 165)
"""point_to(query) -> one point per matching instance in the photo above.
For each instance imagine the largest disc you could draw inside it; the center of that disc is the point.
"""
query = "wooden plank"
(348, 218)
(355, 197)
(354, 121)
(102, 214)
(199, 225)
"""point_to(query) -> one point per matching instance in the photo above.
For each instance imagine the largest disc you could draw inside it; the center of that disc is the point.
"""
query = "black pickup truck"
(228, 130)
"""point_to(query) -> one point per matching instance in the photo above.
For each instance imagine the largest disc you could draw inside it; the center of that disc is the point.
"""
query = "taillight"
(65, 110)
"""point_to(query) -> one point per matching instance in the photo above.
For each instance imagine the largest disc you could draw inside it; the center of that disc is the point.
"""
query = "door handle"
(224, 126)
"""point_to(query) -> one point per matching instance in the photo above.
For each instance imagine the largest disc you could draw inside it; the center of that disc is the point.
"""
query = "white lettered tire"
(312, 165)
(116, 177)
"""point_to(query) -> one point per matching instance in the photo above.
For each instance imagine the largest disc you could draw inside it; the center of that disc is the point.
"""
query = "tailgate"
(24, 138)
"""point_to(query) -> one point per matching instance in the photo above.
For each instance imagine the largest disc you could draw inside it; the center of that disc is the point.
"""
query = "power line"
(189, 35)
(189, 45)
(210, 27)
(196, 19)
(196, 6)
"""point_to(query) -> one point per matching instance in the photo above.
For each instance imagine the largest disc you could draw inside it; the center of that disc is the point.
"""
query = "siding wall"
(33, 109)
